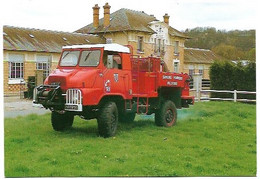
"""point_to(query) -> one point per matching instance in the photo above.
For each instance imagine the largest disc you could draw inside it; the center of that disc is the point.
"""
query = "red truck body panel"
(148, 78)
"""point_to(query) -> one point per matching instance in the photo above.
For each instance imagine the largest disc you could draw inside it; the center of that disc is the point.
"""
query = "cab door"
(116, 80)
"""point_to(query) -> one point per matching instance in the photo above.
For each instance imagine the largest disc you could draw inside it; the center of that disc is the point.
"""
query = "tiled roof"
(203, 56)
(175, 32)
(127, 20)
(25, 39)
(122, 20)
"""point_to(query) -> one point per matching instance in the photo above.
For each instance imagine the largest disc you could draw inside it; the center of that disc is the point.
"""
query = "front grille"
(73, 100)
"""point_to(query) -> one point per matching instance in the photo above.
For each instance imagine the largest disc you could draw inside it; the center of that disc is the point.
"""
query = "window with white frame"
(176, 64)
(176, 47)
(191, 70)
(16, 68)
(140, 44)
(43, 63)
(163, 45)
(159, 45)
(155, 45)
(201, 71)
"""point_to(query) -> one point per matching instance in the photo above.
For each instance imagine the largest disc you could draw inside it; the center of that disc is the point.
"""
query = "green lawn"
(210, 139)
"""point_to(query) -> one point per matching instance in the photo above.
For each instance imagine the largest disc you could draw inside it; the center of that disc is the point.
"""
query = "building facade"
(147, 35)
(28, 50)
(199, 61)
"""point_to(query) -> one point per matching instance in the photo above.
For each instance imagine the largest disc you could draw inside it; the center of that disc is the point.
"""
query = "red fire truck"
(106, 82)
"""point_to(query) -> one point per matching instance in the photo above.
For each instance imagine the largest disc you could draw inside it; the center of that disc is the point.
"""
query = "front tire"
(108, 120)
(61, 121)
(167, 115)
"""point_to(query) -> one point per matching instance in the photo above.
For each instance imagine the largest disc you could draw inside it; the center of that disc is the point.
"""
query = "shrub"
(226, 75)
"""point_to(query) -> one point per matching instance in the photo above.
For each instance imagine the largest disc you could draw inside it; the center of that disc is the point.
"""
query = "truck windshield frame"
(83, 58)
(69, 58)
(90, 58)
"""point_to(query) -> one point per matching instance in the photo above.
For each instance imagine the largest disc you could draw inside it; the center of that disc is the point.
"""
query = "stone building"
(199, 61)
(147, 35)
(27, 50)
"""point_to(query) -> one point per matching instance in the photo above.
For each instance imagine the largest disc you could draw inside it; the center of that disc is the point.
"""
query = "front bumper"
(50, 96)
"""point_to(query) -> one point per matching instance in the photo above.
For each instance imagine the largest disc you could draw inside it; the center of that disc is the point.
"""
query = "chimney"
(106, 14)
(96, 15)
(166, 18)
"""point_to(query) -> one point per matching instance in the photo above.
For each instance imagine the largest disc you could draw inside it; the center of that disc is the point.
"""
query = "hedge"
(225, 75)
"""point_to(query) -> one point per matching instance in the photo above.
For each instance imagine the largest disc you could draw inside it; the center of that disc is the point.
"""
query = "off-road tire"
(61, 121)
(126, 117)
(108, 120)
(167, 114)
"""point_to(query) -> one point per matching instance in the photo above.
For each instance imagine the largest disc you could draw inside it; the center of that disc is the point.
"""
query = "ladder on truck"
(143, 95)
(145, 104)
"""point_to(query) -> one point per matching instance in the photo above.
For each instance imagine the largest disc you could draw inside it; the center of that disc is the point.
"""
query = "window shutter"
(42, 59)
(16, 58)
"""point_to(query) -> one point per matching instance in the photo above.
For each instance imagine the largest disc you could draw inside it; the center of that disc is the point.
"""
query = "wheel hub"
(169, 116)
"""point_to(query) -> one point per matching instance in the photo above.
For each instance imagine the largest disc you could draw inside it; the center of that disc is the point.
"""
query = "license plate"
(71, 107)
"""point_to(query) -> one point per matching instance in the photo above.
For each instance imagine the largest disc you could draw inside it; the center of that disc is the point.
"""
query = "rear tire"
(167, 114)
(61, 121)
(108, 120)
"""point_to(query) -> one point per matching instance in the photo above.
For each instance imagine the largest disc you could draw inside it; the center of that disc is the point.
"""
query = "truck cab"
(87, 73)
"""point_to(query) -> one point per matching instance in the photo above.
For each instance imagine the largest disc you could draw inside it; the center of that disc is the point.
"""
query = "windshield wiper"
(88, 55)
(66, 54)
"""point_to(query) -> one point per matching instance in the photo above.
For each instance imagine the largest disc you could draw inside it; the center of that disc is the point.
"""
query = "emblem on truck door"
(116, 77)
(107, 86)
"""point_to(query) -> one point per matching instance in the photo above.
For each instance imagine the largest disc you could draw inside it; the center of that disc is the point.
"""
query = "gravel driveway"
(14, 106)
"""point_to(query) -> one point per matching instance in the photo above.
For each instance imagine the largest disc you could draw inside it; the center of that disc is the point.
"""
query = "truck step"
(142, 105)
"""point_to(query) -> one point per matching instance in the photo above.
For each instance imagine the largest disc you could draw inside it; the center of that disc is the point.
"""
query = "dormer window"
(159, 45)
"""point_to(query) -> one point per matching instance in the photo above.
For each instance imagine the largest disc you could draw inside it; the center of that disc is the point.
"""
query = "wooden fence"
(199, 96)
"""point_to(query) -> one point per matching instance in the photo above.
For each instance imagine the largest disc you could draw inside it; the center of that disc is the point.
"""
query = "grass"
(210, 139)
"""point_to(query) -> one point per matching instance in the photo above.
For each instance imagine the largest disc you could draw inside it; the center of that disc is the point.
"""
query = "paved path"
(14, 106)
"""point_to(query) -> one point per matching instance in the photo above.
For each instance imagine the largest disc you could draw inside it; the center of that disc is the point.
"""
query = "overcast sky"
(64, 15)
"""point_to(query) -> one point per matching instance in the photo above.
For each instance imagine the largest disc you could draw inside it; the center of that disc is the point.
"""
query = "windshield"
(69, 58)
(90, 58)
